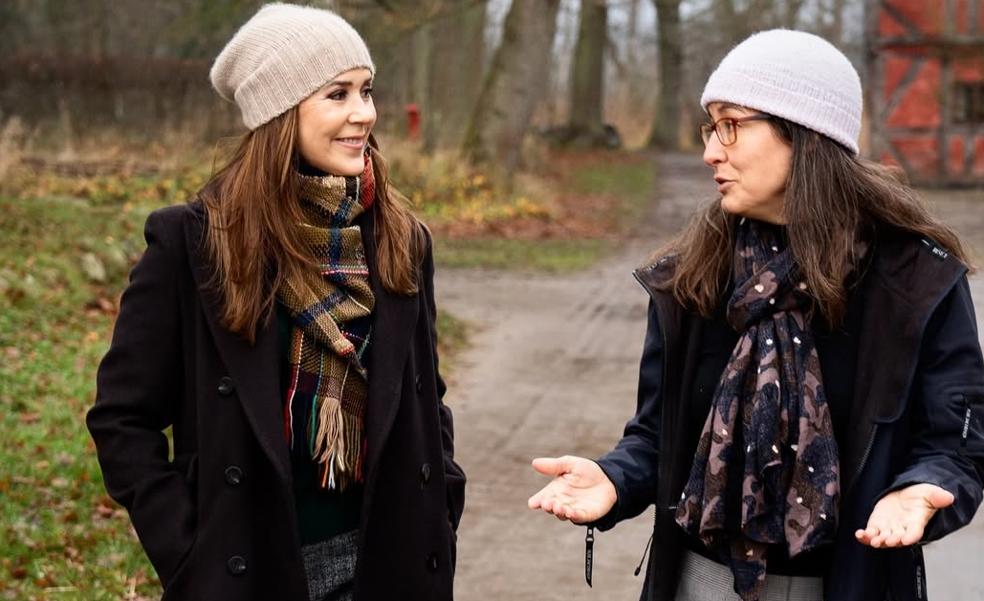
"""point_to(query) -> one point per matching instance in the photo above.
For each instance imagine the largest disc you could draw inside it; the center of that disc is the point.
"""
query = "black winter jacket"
(218, 520)
(917, 416)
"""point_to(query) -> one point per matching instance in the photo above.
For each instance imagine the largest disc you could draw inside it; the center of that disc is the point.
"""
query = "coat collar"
(908, 278)
(255, 368)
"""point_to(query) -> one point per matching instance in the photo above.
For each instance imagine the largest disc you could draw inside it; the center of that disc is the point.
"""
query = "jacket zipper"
(864, 458)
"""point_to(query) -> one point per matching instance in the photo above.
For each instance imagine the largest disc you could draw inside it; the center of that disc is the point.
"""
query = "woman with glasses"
(811, 388)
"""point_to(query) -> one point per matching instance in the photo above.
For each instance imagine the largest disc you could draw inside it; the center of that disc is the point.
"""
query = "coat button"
(236, 565)
(432, 562)
(233, 475)
(226, 386)
(425, 474)
(417, 383)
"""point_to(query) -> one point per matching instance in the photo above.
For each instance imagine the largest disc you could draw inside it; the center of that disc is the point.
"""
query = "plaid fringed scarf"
(766, 469)
(330, 329)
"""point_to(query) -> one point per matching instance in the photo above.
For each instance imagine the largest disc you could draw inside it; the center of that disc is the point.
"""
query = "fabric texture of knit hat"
(794, 75)
(281, 56)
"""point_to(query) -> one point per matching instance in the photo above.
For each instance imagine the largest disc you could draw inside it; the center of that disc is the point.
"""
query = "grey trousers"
(330, 567)
(704, 580)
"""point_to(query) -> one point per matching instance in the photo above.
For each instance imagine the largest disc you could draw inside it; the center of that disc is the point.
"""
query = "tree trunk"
(587, 74)
(666, 124)
(457, 55)
(520, 68)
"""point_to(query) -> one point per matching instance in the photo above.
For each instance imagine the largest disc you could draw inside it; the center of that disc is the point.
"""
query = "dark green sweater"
(321, 513)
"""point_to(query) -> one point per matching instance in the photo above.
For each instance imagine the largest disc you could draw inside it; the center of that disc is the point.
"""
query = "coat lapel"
(393, 322)
(254, 369)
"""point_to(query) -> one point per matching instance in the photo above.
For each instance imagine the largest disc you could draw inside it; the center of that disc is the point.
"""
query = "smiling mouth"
(351, 141)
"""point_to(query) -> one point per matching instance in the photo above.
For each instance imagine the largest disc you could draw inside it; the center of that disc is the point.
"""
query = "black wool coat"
(217, 519)
(917, 415)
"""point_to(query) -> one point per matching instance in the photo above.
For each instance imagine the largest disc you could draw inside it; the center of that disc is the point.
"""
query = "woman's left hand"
(900, 517)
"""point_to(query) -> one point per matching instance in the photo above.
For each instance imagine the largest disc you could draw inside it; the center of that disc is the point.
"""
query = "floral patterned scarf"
(766, 469)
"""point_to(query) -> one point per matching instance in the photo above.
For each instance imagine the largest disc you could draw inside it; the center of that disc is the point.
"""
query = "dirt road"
(552, 370)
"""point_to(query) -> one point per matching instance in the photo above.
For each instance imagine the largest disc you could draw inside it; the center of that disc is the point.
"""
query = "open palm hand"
(580, 490)
(899, 518)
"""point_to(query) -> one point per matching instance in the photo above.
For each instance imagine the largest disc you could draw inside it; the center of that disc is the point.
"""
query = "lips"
(352, 142)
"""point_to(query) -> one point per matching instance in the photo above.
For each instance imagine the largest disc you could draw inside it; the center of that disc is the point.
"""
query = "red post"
(413, 120)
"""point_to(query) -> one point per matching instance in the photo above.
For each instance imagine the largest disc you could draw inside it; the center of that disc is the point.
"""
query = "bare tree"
(666, 123)
(587, 75)
(521, 63)
(457, 52)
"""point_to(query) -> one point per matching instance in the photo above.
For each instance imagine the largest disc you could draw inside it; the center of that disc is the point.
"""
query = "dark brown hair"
(252, 238)
(832, 199)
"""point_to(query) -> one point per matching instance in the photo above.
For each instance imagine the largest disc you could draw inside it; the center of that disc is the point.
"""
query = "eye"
(367, 92)
(338, 94)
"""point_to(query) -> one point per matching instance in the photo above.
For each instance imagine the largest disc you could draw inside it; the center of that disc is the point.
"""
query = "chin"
(347, 168)
(732, 207)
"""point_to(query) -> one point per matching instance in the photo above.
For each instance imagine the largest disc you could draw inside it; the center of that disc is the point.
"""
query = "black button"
(417, 383)
(236, 565)
(432, 562)
(226, 386)
(233, 475)
(425, 474)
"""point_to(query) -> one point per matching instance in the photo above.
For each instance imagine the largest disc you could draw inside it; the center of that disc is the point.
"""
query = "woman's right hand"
(580, 491)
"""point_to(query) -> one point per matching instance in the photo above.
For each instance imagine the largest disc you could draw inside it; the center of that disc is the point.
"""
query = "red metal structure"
(925, 91)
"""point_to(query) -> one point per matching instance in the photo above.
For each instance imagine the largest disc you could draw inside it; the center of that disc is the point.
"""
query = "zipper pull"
(644, 553)
(588, 554)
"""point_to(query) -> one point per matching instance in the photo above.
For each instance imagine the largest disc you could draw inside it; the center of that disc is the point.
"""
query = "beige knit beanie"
(281, 56)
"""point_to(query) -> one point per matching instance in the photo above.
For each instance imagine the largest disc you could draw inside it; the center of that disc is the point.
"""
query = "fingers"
(894, 536)
(553, 466)
(537, 500)
(913, 534)
(867, 535)
(558, 504)
(556, 507)
(939, 498)
(890, 535)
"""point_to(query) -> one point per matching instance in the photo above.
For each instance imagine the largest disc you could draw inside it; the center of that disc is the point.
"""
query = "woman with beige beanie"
(282, 324)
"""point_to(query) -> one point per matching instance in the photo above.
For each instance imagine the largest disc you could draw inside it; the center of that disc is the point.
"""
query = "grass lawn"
(591, 202)
(62, 538)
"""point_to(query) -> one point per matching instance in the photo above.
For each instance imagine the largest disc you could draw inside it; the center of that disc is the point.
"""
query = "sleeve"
(137, 389)
(632, 465)
(454, 476)
(947, 435)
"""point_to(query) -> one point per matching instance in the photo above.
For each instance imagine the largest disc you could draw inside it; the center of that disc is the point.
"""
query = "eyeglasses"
(727, 128)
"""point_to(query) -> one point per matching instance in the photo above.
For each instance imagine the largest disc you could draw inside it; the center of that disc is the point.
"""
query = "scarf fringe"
(339, 445)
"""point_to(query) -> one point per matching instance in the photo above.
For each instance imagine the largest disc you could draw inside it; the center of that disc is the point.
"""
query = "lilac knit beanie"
(794, 75)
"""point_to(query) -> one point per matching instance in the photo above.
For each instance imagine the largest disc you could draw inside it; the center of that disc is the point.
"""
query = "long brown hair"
(832, 199)
(252, 237)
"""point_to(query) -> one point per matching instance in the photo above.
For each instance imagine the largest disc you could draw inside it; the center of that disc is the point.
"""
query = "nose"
(714, 152)
(363, 113)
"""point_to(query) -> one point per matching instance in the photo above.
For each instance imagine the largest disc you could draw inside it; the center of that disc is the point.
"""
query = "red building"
(925, 89)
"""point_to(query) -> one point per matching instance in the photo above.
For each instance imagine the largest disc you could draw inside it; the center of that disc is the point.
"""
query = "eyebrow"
(724, 106)
(345, 83)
